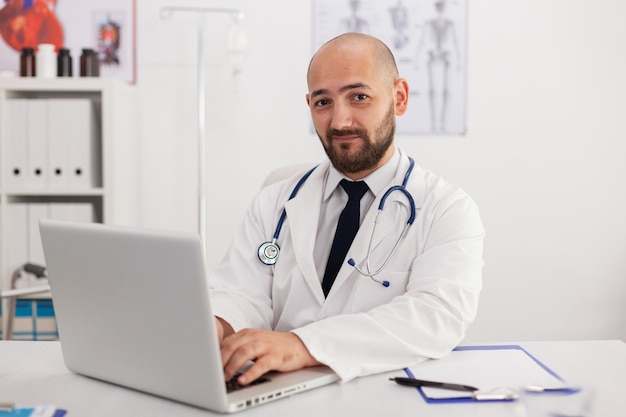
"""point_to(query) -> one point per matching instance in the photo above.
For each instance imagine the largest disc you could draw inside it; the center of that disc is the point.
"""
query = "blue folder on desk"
(485, 367)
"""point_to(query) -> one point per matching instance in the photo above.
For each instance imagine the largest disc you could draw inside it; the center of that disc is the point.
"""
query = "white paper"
(485, 369)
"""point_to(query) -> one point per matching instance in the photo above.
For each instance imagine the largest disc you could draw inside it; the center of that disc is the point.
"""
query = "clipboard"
(490, 368)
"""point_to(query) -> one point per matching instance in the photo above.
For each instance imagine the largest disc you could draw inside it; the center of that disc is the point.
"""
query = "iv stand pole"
(165, 13)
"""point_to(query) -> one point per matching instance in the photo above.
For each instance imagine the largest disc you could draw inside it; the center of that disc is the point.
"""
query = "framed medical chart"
(106, 26)
(429, 41)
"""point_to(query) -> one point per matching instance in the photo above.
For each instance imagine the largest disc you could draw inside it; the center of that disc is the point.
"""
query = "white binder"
(72, 142)
(36, 212)
(17, 243)
(82, 144)
(75, 211)
(59, 122)
(24, 221)
(37, 175)
(17, 144)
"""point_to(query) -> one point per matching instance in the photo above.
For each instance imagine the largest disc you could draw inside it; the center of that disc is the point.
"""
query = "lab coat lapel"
(303, 213)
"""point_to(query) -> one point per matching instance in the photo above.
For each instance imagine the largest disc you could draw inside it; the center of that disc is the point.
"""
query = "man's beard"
(371, 152)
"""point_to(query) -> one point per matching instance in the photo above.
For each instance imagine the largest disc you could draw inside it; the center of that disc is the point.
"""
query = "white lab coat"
(362, 327)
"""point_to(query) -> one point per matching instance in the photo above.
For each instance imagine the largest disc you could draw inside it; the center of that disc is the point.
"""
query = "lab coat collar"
(376, 181)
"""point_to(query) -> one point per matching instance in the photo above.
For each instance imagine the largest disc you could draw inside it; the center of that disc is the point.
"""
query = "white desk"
(33, 373)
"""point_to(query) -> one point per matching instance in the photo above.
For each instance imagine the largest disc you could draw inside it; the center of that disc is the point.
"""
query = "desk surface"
(33, 373)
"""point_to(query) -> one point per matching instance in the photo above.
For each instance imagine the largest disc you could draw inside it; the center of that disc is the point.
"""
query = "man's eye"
(321, 103)
(360, 97)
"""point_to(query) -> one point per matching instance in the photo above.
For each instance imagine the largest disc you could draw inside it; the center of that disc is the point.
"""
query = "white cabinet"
(68, 149)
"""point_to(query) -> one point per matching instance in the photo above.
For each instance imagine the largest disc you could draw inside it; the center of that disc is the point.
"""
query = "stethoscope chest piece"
(268, 253)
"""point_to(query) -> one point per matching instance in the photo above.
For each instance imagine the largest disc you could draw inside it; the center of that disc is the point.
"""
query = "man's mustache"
(347, 132)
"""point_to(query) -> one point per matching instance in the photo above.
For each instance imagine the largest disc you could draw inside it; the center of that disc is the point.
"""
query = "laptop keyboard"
(233, 385)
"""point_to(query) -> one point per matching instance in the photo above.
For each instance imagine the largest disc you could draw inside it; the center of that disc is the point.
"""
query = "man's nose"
(342, 117)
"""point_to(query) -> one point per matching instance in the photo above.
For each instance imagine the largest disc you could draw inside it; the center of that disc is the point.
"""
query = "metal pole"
(202, 205)
(165, 13)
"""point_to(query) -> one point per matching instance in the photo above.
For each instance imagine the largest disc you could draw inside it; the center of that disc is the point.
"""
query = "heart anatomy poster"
(106, 26)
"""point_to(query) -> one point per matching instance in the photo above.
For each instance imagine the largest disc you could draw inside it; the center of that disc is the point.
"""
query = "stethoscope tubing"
(402, 188)
(268, 251)
(295, 190)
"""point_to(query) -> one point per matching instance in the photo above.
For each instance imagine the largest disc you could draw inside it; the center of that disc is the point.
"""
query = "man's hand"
(223, 329)
(279, 351)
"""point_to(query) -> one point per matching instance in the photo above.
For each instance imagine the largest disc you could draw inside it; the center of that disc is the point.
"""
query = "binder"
(23, 321)
(17, 143)
(52, 143)
(59, 121)
(37, 174)
(36, 211)
(82, 144)
(488, 368)
(45, 322)
(24, 244)
(17, 243)
(72, 142)
(75, 211)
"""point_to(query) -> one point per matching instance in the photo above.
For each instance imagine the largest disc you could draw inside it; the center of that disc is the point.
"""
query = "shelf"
(108, 108)
(69, 84)
(66, 192)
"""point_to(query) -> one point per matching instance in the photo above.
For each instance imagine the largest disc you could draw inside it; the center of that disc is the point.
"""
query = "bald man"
(408, 286)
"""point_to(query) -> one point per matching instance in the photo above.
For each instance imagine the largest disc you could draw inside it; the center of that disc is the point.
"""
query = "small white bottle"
(46, 61)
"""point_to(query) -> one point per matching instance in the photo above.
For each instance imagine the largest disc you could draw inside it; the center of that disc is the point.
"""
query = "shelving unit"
(111, 193)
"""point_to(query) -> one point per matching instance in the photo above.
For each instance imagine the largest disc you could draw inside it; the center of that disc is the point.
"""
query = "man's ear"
(402, 96)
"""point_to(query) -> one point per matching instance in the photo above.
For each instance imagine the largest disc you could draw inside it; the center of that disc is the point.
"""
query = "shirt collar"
(376, 181)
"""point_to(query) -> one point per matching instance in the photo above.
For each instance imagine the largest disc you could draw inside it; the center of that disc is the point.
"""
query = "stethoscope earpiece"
(384, 283)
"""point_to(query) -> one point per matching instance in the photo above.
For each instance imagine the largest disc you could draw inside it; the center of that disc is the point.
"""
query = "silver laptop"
(133, 308)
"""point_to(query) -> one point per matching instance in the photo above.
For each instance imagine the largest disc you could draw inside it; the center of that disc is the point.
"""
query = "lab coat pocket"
(370, 292)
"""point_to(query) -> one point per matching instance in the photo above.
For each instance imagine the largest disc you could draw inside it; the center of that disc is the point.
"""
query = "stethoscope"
(268, 251)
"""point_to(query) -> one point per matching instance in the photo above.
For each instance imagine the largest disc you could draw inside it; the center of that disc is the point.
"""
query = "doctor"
(426, 294)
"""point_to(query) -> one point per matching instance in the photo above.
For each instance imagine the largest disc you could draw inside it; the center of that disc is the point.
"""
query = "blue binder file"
(493, 369)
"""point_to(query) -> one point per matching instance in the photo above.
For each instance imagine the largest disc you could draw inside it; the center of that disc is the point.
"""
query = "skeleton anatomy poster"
(428, 40)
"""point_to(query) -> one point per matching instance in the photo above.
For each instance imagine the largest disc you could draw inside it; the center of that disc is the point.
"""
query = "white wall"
(543, 155)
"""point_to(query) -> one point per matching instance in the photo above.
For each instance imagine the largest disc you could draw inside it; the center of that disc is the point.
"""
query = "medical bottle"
(27, 63)
(89, 63)
(64, 63)
(46, 61)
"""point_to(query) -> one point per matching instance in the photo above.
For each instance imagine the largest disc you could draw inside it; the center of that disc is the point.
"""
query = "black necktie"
(347, 226)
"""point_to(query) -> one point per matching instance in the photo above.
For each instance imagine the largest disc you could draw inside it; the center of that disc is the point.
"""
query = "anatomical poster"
(429, 42)
(106, 26)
